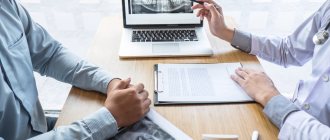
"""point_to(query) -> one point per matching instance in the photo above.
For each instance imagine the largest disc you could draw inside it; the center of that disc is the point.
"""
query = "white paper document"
(198, 83)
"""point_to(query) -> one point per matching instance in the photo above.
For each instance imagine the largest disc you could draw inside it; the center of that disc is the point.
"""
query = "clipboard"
(159, 90)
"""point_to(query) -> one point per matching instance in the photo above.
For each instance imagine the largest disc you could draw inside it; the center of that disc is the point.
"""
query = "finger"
(219, 9)
(237, 79)
(217, 6)
(212, 9)
(206, 12)
(146, 110)
(248, 70)
(139, 87)
(123, 84)
(144, 94)
(199, 13)
(208, 1)
(241, 73)
(209, 16)
(197, 6)
(203, 13)
(146, 105)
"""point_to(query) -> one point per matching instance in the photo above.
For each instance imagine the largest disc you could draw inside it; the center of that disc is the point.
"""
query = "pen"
(199, 2)
(255, 135)
(219, 137)
(122, 130)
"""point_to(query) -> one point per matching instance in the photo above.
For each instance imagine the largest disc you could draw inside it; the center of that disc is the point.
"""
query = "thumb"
(123, 84)
(211, 8)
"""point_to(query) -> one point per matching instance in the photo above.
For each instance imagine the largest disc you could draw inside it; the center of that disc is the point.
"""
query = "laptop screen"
(159, 12)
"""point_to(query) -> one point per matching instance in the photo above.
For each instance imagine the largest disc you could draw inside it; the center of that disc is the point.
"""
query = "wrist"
(114, 114)
(112, 84)
(227, 34)
(266, 98)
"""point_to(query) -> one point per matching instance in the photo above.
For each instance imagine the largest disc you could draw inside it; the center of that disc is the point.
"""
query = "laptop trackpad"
(166, 48)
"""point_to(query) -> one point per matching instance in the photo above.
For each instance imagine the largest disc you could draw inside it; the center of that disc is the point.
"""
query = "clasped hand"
(127, 103)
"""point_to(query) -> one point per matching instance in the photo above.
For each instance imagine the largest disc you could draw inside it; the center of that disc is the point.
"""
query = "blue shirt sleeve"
(50, 58)
(242, 41)
(100, 125)
(278, 108)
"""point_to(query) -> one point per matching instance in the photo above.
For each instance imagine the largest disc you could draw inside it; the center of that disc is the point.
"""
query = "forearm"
(67, 67)
(100, 125)
(226, 34)
(238, 39)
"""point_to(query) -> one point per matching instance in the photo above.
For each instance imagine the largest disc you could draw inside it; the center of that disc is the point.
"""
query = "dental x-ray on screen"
(160, 6)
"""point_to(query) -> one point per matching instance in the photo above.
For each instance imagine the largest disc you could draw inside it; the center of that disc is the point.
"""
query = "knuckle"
(121, 82)
(138, 100)
(131, 90)
(141, 101)
(142, 85)
(149, 102)
(147, 93)
(136, 90)
(245, 84)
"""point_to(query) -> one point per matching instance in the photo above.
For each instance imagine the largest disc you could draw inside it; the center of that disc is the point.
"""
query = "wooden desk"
(195, 120)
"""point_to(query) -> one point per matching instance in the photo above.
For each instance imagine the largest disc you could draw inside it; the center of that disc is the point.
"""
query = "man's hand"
(256, 84)
(213, 13)
(128, 104)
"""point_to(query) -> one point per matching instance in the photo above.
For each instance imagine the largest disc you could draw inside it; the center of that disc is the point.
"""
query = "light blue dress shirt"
(307, 114)
(26, 47)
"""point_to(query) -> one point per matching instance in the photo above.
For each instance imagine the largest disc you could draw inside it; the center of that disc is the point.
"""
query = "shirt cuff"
(242, 41)
(105, 83)
(101, 124)
(278, 108)
(103, 79)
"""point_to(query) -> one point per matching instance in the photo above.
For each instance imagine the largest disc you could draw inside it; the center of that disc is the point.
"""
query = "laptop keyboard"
(164, 35)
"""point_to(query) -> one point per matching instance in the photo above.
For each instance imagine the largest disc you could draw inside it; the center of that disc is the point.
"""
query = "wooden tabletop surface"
(194, 120)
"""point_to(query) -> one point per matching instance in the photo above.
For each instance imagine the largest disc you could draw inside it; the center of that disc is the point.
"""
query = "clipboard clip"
(156, 78)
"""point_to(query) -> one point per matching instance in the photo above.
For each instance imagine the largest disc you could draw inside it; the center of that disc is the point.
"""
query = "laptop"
(162, 28)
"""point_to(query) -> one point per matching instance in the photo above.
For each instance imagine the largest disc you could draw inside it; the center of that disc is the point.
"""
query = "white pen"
(255, 135)
(219, 137)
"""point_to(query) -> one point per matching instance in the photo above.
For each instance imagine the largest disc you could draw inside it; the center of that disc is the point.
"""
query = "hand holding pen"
(201, 2)
(214, 15)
